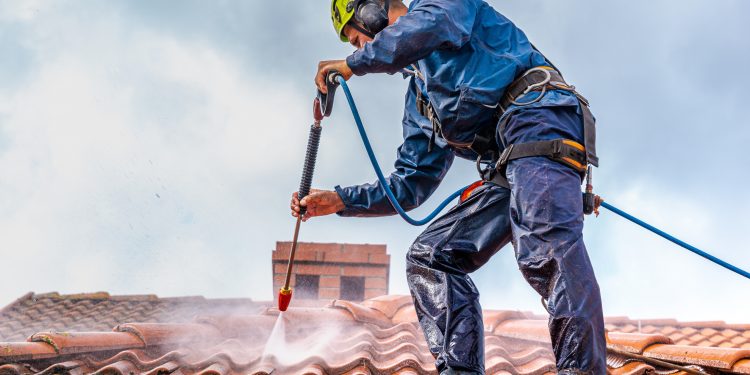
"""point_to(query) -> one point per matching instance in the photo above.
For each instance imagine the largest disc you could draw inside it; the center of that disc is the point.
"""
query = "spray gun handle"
(326, 100)
(317, 111)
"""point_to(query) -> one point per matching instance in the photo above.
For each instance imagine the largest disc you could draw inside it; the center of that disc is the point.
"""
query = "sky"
(152, 147)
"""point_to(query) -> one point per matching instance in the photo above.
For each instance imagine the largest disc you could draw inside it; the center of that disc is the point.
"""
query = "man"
(478, 90)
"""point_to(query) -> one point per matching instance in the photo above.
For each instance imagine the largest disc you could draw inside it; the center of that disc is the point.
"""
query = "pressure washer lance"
(322, 106)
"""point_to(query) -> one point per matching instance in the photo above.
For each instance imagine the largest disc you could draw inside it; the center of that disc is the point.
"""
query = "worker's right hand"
(325, 66)
(318, 203)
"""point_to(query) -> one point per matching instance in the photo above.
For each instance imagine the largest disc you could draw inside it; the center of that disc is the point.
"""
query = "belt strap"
(499, 180)
(566, 151)
(542, 79)
(424, 108)
(535, 79)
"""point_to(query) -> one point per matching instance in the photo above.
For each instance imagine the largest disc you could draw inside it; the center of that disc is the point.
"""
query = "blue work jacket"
(466, 54)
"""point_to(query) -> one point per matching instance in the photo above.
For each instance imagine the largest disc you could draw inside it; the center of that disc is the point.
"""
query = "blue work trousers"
(542, 215)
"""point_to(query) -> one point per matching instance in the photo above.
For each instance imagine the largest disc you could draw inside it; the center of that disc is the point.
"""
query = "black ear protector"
(371, 15)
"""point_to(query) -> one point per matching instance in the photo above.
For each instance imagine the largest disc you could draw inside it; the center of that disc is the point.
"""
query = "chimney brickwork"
(343, 271)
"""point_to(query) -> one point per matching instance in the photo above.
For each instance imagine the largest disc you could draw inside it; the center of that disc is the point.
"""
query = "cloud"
(147, 148)
(153, 146)
(646, 275)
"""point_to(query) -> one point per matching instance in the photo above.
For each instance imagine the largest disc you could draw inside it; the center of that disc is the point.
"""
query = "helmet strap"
(362, 30)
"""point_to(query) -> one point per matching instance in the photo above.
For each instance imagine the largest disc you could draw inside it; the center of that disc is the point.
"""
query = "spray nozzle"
(285, 296)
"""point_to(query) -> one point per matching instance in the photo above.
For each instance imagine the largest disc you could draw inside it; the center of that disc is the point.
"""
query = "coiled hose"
(379, 172)
(313, 142)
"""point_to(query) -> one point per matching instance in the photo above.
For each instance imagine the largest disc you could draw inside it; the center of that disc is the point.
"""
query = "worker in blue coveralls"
(479, 90)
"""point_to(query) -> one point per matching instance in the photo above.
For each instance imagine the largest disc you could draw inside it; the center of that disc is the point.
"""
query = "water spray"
(322, 106)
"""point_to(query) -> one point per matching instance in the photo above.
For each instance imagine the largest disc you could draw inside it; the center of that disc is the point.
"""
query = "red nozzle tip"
(285, 296)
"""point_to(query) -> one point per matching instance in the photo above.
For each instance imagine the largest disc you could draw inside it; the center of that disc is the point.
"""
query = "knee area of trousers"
(418, 252)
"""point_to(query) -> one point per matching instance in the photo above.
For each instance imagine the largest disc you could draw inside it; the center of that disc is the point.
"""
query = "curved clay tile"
(378, 336)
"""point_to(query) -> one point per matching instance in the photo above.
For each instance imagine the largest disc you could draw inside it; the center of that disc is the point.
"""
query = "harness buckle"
(532, 87)
(504, 157)
(557, 148)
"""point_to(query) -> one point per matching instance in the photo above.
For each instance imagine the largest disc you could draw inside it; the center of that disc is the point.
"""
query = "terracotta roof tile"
(707, 333)
(378, 336)
(702, 356)
(493, 318)
(634, 368)
(364, 314)
(389, 305)
(100, 312)
(742, 367)
(633, 342)
(406, 314)
(22, 351)
(729, 333)
(527, 329)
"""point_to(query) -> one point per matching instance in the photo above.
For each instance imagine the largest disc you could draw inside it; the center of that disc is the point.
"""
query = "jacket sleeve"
(429, 25)
(418, 172)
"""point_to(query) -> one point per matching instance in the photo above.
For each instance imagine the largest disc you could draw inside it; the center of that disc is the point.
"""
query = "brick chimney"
(353, 272)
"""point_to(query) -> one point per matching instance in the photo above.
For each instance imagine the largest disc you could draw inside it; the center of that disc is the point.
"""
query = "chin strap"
(362, 29)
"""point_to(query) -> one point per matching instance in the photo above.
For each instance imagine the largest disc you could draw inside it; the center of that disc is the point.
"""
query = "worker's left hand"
(325, 66)
(318, 203)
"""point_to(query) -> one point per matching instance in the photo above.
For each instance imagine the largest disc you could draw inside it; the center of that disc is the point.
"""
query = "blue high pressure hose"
(400, 210)
(676, 240)
(379, 172)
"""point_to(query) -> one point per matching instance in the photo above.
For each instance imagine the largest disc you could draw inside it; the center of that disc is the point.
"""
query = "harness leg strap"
(566, 151)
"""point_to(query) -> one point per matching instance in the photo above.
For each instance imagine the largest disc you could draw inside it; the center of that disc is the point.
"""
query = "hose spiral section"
(313, 141)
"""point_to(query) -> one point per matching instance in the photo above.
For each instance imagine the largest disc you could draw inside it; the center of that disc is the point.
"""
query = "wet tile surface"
(377, 336)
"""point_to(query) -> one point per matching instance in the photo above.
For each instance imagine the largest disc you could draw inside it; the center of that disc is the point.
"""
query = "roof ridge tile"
(136, 297)
(80, 342)
(80, 296)
(22, 351)
(162, 333)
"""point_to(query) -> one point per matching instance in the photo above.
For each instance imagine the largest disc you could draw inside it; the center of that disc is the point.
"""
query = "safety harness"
(566, 151)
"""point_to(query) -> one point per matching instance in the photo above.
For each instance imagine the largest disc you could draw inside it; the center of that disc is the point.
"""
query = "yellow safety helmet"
(371, 16)
(342, 12)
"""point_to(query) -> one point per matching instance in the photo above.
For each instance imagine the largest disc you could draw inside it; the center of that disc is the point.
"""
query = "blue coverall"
(467, 54)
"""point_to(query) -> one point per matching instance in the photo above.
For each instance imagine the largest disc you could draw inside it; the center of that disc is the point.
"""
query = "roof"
(377, 336)
(711, 333)
(100, 312)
